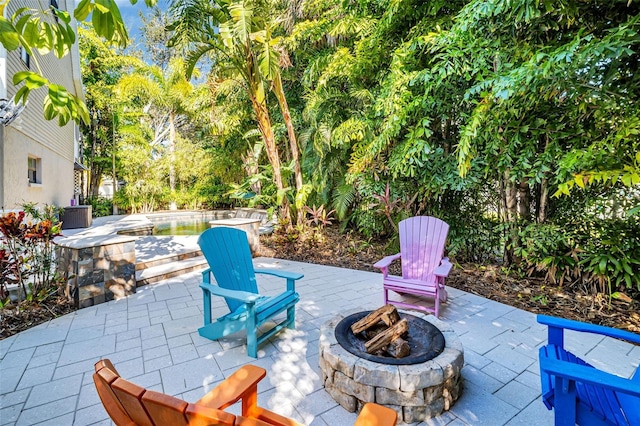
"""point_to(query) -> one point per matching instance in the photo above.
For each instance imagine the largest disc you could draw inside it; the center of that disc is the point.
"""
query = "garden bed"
(492, 282)
(330, 247)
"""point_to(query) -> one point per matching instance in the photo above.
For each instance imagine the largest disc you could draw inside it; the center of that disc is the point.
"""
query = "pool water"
(181, 227)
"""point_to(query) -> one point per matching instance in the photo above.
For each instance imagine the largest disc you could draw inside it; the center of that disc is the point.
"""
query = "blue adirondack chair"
(229, 257)
(577, 391)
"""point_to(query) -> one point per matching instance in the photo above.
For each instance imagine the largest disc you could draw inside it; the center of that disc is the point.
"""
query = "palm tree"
(168, 97)
(238, 38)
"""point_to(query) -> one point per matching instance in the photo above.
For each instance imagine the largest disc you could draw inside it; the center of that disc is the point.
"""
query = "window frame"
(34, 174)
(26, 58)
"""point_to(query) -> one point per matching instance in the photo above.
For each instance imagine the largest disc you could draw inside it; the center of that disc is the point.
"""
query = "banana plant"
(238, 38)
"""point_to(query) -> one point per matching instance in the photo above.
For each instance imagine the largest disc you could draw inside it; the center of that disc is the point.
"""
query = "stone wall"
(99, 269)
(416, 392)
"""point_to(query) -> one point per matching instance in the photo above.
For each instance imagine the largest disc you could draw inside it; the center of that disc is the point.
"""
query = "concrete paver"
(152, 339)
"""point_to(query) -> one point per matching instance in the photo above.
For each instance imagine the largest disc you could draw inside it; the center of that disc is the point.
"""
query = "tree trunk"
(511, 216)
(293, 142)
(524, 200)
(94, 182)
(94, 177)
(511, 199)
(543, 200)
(172, 168)
(264, 125)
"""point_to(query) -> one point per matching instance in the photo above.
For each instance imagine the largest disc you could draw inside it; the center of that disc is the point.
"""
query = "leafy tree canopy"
(44, 30)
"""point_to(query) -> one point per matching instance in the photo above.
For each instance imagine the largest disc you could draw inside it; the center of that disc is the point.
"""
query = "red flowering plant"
(12, 228)
(29, 252)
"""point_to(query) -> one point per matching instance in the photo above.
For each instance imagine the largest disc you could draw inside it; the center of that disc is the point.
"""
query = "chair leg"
(252, 332)
(565, 402)
(206, 297)
(291, 317)
(442, 289)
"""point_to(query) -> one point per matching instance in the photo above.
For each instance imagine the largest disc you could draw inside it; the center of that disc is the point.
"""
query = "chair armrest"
(589, 375)
(243, 383)
(562, 323)
(272, 419)
(444, 268)
(376, 415)
(243, 296)
(282, 274)
(386, 261)
(206, 275)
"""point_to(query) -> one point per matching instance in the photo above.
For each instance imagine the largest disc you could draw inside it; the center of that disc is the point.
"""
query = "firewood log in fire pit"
(384, 329)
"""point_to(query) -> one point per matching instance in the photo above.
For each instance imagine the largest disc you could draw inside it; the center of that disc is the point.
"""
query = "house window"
(33, 167)
(25, 57)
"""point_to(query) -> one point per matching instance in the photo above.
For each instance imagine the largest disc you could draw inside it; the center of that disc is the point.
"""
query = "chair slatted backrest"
(131, 405)
(422, 241)
(165, 409)
(129, 395)
(104, 376)
(229, 256)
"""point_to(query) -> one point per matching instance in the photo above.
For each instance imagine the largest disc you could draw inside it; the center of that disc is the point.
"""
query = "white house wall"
(33, 136)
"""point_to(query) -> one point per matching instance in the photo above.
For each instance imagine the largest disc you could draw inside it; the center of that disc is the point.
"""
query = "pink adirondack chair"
(422, 240)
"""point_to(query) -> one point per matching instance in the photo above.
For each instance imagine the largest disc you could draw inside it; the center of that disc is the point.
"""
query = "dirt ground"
(348, 250)
(14, 320)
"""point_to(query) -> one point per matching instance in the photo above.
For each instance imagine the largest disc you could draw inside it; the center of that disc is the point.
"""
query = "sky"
(130, 16)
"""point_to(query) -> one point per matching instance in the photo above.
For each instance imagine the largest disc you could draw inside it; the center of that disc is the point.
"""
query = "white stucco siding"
(56, 173)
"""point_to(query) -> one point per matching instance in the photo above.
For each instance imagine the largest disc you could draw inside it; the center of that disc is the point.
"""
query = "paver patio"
(45, 372)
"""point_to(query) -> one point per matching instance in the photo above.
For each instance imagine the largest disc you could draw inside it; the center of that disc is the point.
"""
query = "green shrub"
(100, 206)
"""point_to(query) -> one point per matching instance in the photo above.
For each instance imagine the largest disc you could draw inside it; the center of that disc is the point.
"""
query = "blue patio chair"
(229, 257)
(577, 391)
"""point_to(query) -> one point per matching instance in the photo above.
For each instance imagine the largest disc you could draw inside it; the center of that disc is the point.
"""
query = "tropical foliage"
(47, 29)
(237, 37)
(27, 259)
(516, 121)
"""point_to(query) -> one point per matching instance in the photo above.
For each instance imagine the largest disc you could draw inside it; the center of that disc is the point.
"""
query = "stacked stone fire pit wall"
(417, 392)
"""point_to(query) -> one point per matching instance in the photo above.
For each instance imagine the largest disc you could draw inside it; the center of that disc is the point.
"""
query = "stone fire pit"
(417, 392)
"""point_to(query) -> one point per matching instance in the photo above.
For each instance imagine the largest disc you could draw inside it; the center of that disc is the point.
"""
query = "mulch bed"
(14, 320)
(349, 250)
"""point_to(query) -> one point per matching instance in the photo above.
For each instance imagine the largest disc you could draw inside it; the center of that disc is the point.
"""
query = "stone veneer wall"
(100, 268)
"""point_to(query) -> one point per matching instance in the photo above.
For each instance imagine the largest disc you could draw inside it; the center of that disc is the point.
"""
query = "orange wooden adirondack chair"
(131, 405)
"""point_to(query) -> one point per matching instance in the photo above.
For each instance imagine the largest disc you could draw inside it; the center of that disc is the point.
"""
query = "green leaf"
(21, 95)
(8, 35)
(83, 9)
(602, 265)
(31, 32)
(32, 79)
